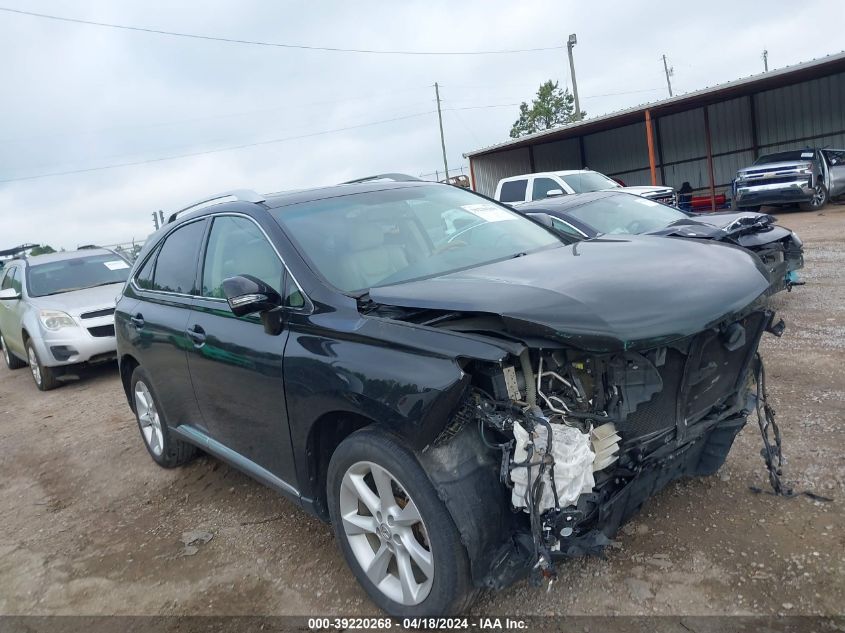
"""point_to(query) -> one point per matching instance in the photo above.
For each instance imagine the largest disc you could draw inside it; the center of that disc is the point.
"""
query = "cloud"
(79, 96)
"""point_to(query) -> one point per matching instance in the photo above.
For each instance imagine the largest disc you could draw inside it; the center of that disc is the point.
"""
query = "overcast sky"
(81, 97)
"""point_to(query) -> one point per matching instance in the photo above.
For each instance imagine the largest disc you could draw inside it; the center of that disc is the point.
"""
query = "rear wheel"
(44, 377)
(12, 361)
(819, 199)
(395, 533)
(165, 450)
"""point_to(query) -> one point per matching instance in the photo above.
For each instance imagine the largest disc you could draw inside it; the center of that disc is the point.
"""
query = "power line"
(212, 151)
(244, 145)
(231, 40)
(214, 117)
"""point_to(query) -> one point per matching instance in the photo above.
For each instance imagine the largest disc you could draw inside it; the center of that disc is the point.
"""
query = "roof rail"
(390, 176)
(238, 195)
(17, 251)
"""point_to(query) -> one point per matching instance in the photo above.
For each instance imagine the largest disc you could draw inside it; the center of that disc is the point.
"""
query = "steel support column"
(650, 138)
(709, 148)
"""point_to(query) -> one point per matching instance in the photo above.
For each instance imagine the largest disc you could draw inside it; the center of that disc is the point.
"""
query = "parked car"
(807, 177)
(398, 359)
(57, 312)
(591, 215)
(530, 187)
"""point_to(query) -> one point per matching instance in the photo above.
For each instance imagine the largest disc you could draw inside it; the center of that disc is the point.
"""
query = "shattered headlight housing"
(55, 320)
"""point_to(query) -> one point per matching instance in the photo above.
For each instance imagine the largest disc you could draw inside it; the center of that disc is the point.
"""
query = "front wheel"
(44, 377)
(818, 201)
(396, 534)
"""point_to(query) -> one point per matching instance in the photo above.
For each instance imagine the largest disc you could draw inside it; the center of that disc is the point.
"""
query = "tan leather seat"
(369, 259)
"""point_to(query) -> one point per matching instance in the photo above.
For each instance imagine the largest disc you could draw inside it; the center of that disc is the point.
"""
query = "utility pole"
(440, 120)
(669, 72)
(765, 60)
(573, 40)
(155, 220)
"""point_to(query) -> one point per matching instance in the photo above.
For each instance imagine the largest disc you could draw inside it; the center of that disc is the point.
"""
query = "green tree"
(42, 250)
(551, 107)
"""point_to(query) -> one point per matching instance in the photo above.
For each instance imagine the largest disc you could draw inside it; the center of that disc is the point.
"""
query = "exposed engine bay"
(581, 439)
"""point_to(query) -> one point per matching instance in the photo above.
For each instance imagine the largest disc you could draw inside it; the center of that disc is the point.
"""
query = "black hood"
(602, 294)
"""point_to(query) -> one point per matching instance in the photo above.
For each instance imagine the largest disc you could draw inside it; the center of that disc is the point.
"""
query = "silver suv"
(808, 177)
(57, 311)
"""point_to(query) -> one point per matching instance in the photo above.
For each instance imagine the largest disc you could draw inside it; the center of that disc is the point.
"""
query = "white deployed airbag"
(573, 465)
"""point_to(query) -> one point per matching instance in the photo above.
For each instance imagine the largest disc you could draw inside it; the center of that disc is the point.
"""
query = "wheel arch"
(324, 436)
(127, 365)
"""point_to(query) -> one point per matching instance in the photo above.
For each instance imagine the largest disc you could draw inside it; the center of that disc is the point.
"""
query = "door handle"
(196, 334)
(137, 320)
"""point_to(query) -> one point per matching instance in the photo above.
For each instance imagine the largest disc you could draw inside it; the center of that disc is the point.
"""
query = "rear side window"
(513, 191)
(176, 264)
(542, 187)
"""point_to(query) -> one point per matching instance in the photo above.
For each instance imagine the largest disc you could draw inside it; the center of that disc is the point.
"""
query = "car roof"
(560, 172)
(66, 255)
(563, 203)
(288, 198)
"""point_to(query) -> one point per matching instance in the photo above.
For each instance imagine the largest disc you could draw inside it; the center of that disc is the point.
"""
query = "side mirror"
(247, 294)
(9, 294)
(551, 193)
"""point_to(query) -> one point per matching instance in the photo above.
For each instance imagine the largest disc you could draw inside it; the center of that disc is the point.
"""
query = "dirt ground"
(89, 525)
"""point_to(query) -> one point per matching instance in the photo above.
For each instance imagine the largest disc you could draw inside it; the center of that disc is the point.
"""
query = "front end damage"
(554, 448)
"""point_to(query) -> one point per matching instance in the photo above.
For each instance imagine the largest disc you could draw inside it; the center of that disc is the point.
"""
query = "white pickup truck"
(530, 187)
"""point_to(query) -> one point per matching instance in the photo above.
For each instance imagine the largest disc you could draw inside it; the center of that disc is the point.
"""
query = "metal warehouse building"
(701, 137)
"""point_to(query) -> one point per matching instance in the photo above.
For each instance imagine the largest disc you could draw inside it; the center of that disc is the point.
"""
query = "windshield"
(780, 157)
(625, 213)
(584, 182)
(75, 274)
(361, 241)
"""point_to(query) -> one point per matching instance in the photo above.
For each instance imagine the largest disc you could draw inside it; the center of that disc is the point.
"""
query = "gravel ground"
(91, 526)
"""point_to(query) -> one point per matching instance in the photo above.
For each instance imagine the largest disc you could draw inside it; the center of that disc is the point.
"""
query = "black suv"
(462, 393)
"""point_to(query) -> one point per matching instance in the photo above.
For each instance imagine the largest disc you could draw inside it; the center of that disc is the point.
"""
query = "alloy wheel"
(149, 418)
(818, 195)
(5, 350)
(34, 367)
(386, 533)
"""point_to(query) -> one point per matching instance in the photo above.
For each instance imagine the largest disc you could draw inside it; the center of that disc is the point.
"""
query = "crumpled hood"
(603, 294)
(79, 301)
(745, 228)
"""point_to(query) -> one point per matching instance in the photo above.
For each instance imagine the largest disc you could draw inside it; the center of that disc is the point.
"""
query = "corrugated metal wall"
(558, 155)
(811, 113)
(489, 170)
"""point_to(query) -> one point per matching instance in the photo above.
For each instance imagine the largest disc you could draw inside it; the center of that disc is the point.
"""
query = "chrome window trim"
(574, 228)
(308, 308)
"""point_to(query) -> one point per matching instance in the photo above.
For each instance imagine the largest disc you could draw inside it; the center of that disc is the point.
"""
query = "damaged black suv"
(465, 395)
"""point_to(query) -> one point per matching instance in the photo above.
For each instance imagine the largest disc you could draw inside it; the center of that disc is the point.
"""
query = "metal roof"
(747, 85)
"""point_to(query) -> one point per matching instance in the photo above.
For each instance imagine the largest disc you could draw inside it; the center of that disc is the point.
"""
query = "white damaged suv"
(57, 311)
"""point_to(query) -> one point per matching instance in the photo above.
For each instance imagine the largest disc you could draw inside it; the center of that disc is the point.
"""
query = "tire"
(396, 552)
(166, 451)
(820, 199)
(12, 361)
(44, 377)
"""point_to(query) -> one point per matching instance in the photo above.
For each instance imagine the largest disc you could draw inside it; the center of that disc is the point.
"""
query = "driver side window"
(542, 187)
(237, 246)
